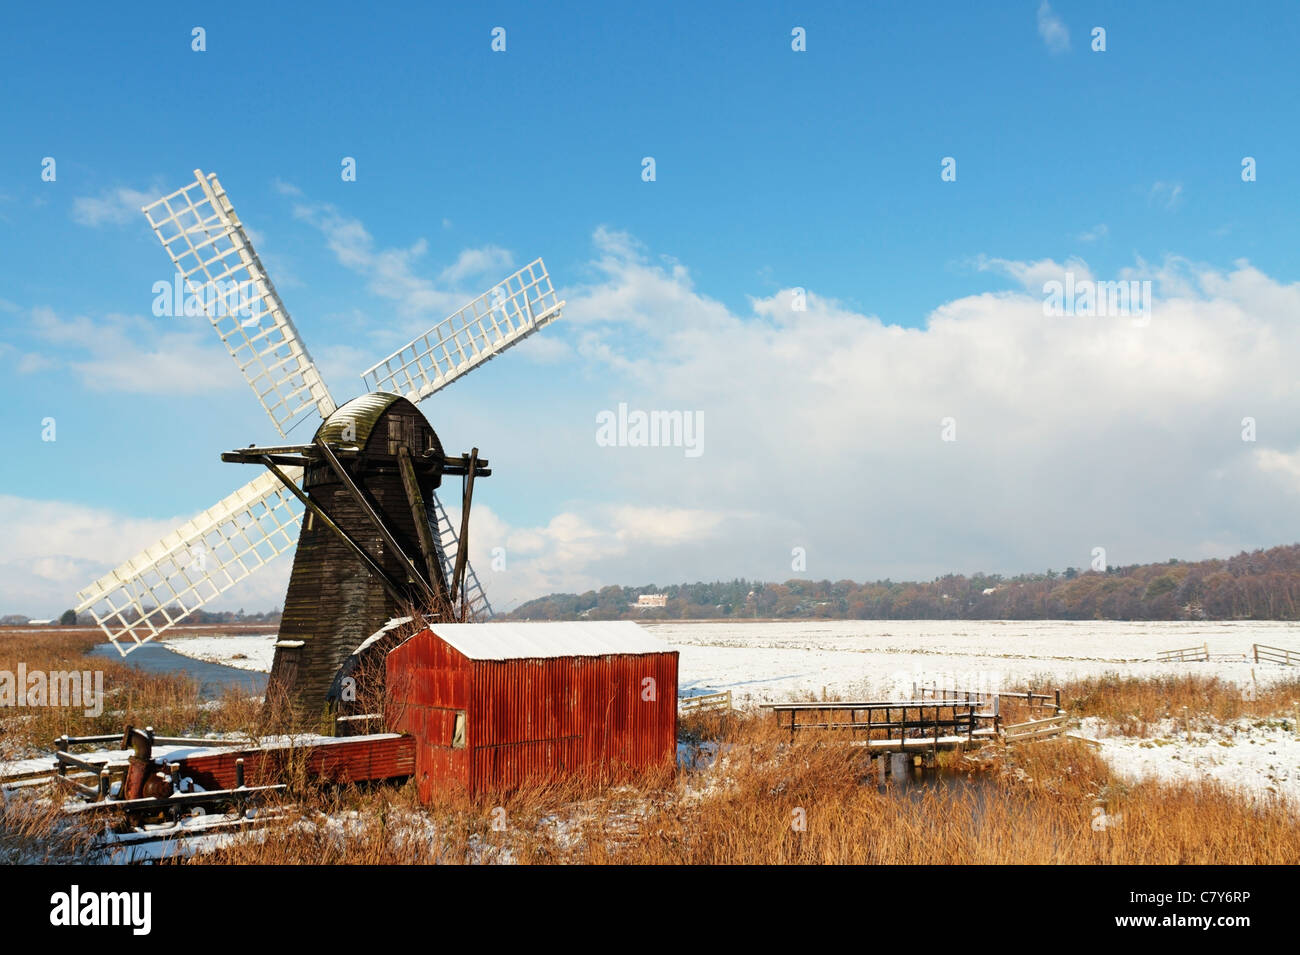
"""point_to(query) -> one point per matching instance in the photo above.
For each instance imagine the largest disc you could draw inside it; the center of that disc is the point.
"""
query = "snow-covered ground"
(246, 651)
(1259, 756)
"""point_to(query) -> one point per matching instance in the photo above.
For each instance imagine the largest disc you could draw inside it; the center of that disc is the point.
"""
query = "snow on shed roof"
(526, 641)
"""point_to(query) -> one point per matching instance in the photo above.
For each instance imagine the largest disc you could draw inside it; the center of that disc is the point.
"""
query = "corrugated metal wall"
(532, 720)
(426, 682)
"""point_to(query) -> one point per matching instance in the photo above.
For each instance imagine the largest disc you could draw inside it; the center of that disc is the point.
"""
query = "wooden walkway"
(886, 726)
(947, 720)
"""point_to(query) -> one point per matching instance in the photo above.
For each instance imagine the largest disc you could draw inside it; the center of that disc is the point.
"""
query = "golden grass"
(170, 703)
(1039, 803)
(1134, 704)
(1052, 802)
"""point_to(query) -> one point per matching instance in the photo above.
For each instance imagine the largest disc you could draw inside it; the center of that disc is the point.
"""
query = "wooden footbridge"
(891, 725)
(936, 721)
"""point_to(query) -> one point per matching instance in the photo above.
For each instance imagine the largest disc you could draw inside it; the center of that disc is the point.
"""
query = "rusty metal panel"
(342, 760)
(531, 720)
(427, 683)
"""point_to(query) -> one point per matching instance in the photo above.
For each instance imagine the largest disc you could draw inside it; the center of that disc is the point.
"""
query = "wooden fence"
(1047, 728)
(704, 703)
(1286, 657)
(1199, 654)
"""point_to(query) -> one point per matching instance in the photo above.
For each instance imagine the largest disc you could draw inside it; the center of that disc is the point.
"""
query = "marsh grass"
(1049, 802)
(1135, 705)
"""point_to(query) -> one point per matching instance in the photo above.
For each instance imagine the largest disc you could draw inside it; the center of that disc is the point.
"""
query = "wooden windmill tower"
(376, 538)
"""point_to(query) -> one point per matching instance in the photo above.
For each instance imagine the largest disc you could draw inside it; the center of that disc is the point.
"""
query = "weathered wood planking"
(333, 602)
(351, 759)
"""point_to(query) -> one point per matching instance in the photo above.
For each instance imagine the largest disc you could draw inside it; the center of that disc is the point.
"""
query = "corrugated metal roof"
(528, 641)
(362, 413)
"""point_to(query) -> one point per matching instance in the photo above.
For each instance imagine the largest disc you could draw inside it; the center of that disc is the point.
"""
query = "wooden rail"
(1280, 655)
(1052, 700)
(1047, 728)
(704, 703)
(1199, 654)
(65, 742)
(902, 724)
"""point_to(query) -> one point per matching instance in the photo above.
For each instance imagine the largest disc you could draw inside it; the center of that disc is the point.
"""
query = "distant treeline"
(1261, 585)
(70, 618)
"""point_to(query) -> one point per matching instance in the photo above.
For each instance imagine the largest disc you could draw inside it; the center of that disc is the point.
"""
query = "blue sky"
(775, 169)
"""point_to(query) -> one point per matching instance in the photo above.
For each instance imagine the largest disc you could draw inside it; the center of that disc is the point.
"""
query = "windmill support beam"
(388, 583)
(420, 515)
(462, 547)
(284, 460)
(462, 465)
(351, 487)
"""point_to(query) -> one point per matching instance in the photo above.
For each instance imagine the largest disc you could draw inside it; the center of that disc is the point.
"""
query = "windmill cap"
(354, 421)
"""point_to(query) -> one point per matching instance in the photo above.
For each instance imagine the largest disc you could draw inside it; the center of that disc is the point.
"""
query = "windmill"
(376, 539)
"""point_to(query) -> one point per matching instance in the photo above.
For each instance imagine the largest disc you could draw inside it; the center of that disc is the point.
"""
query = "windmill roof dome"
(361, 414)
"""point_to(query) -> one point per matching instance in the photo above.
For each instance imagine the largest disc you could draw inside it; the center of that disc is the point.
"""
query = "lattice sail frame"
(205, 240)
(202, 558)
(511, 311)
(448, 543)
(203, 236)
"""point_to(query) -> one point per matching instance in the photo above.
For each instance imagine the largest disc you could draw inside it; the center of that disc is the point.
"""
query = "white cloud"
(32, 362)
(118, 206)
(1033, 275)
(1052, 29)
(1099, 231)
(55, 548)
(571, 551)
(490, 261)
(133, 355)
(1167, 194)
(1281, 463)
(824, 428)
(390, 272)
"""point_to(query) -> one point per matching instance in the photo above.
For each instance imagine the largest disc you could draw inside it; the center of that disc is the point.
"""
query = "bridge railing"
(882, 724)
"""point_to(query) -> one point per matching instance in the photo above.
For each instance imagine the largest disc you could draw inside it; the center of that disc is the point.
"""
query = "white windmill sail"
(203, 557)
(508, 313)
(198, 227)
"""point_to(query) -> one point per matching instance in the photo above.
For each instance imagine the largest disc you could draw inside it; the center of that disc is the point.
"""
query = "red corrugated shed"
(496, 706)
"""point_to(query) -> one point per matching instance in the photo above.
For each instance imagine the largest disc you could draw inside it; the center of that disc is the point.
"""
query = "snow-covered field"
(762, 662)
(1259, 756)
(882, 659)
